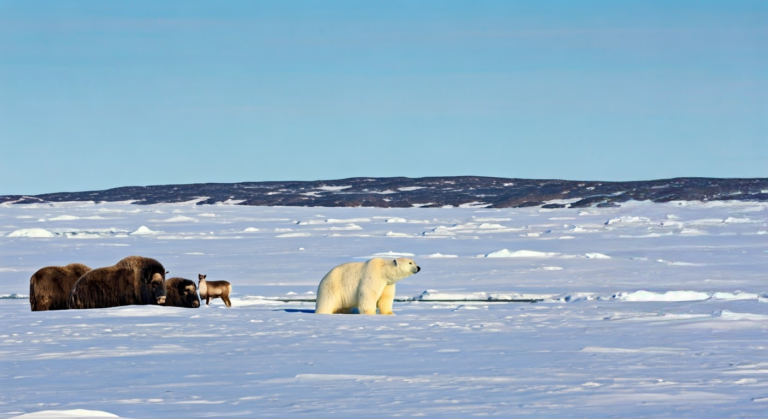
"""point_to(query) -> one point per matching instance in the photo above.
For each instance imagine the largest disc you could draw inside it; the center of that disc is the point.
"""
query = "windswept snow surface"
(673, 324)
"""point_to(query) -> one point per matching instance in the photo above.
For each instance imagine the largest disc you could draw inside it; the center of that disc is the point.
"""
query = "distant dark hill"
(401, 192)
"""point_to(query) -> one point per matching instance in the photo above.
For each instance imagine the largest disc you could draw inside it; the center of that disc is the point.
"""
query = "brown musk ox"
(134, 280)
(49, 287)
(213, 289)
(181, 293)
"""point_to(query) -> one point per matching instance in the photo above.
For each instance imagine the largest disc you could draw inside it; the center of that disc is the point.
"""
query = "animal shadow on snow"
(295, 310)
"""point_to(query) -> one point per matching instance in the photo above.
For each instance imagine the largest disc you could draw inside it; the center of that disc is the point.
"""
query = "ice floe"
(32, 232)
(334, 221)
(66, 414)
(667, 296)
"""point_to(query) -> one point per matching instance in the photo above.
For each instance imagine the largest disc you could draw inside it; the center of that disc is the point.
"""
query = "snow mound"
(293, 235)
(474, 204)
(393, 254)
(489, 226)
(64, 218)
(335, 221)
(393, 234)
(434, 295)
(729, 315)
(504, 253)
(143, 231)
(737, 295)
(647, 236)
(579, 296)
(676, 263)
(463, 307)
(596, 256)
(180, 219)
(439, 231)
(734, 220)
(32, 232)
(629, 220)
(397, 220)
(643, 296)
(70, 414)
(251, 230)
(440, 255)
(334, 188)
(347, 227)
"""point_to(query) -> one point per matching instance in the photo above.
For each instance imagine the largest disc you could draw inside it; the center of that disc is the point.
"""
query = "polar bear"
(361, 287)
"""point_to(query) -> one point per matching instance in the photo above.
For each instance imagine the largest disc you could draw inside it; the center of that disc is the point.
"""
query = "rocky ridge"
(430, 192)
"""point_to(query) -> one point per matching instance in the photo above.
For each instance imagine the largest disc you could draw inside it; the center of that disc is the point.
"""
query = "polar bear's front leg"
(368, 295)
(386, 300)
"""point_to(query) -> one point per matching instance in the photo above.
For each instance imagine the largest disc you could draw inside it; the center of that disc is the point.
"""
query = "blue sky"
(97, 94)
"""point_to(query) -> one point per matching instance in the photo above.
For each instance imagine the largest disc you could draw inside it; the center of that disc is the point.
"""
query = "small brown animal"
(49, 287)
(134, 280)
(181, 293)
(213, 289)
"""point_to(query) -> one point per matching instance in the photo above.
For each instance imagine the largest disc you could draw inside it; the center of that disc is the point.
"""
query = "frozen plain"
(650, 310)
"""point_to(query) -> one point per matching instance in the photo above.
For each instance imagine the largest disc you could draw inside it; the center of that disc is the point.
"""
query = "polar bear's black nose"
(418, 268)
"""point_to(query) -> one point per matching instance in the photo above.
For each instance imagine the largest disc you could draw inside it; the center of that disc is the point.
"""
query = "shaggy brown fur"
(49, 287)
(134, 280)
(181, 293)
(213, 289)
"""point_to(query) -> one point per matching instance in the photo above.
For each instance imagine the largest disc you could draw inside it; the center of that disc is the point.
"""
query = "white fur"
(362, 286)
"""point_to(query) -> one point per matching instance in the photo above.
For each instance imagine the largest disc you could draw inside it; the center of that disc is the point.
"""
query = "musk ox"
(213, 289)
(49, 287)
(181, 293)
(134, 280)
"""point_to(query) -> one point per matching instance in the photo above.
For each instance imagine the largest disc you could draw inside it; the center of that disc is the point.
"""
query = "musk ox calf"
(213, 289)
(134, 280)
(49, 287)
(181, 293)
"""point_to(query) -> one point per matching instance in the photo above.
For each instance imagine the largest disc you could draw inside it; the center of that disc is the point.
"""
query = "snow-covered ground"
(646, 310)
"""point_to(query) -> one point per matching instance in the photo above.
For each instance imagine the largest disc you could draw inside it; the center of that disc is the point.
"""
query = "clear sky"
(100, 94)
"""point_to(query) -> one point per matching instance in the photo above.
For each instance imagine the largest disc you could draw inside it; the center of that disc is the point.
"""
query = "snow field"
(668, 324)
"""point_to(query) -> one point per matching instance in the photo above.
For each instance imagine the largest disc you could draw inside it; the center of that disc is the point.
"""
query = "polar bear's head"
(406, 267)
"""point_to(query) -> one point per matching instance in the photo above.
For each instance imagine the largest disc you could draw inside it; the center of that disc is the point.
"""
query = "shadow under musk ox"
(134, 280)
(181, 293)
(49, 287)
